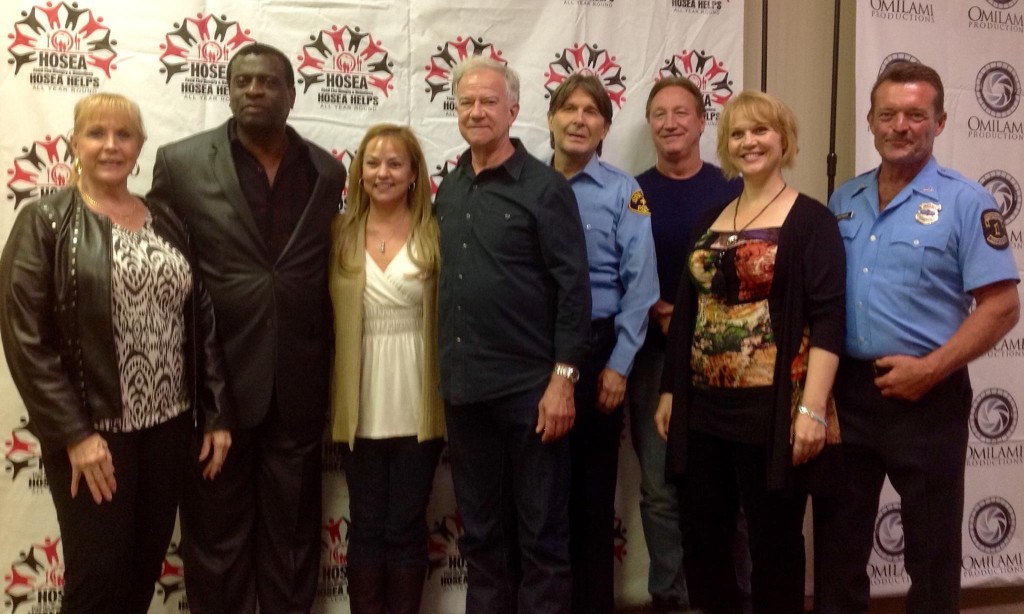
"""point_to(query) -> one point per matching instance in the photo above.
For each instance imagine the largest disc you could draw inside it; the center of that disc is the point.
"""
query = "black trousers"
(922, 446)
(253, 533)
(594, 445)
(720, 477)
(114, 551)
(389, 484)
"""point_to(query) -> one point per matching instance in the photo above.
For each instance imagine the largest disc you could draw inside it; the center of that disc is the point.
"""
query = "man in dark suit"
(259, 202)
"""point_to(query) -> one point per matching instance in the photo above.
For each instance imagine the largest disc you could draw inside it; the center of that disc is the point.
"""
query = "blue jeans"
(513, 497)
(659, 505)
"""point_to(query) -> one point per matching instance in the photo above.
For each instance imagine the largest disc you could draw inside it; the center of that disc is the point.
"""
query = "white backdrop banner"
(978, 48)
(357, 63)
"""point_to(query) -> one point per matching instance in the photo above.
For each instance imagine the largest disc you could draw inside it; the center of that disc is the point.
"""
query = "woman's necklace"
(121, 219)
(394, 232)
(736, 232)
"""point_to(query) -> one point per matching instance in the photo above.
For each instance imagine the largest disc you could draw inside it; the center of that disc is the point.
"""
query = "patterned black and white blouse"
(150, 282)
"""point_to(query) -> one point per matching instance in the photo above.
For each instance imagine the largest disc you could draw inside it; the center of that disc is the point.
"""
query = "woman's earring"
(77, 166)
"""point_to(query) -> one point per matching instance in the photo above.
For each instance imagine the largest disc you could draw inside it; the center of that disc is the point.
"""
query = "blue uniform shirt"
(911, 268)
(620, 249)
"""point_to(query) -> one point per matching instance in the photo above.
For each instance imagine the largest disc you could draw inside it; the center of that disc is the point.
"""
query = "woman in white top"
(385, 401)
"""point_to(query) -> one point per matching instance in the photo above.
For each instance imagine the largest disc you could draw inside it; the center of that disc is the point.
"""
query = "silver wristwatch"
(569, 372)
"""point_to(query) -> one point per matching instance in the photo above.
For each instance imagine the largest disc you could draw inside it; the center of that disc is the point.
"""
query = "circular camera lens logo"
(998, 89)
(889, 542)
(993, 415)
(899, 56)
(1005, 190)
(1002, 4)
(992, 524)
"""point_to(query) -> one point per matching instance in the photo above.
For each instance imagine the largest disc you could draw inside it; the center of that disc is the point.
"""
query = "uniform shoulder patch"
(638, 204)
(994, 229)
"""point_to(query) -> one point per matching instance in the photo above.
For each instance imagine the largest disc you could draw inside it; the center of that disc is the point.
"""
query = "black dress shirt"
(276, 208)
(514, 287)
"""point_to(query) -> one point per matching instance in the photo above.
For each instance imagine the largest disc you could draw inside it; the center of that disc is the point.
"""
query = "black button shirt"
(275, 208)
(514, 287)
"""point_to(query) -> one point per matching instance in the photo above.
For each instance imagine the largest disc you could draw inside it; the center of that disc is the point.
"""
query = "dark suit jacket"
(273, 316)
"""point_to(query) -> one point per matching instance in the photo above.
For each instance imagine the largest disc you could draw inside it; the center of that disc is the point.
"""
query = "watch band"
(569, 372)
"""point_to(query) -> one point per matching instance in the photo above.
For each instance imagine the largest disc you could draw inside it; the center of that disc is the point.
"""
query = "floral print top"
(733, 343)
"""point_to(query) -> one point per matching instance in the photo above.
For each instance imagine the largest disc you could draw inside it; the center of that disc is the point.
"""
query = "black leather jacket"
(56, 321)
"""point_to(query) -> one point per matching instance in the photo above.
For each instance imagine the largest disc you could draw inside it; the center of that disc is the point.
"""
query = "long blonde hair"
(423, 234)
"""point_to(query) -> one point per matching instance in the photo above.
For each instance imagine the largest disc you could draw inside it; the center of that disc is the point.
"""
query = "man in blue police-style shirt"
(922, 241)
(624, 286)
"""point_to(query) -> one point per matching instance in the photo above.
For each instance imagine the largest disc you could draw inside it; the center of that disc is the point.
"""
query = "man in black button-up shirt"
(514, 326)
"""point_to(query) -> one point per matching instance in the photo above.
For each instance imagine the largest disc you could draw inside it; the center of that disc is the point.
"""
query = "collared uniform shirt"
(620, 249)
(514, 295)
(910, 269)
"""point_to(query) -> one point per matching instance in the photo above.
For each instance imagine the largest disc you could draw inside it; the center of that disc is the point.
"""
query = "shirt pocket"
(849, 228)
(599, 234)
(918, 248)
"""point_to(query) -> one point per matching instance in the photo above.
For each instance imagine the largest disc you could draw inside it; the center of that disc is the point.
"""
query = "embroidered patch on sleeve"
(994, 229)
(638, 203)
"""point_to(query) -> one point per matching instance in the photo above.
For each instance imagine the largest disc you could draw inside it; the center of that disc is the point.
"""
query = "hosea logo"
(889, 543)
(708, 73)
(699, 6)
(171, 582)
(68, 47)
(333, 584)
(993, 416)
(349, 67)
(36, 579)
(332, 456)
(1005, 189)
(992, 524)
(436, 178)
(448, 56)
(198, 50)
(443, 555)
(619, 550)
(23, 459)
(43, 167)
(345, 157)
(589, 60)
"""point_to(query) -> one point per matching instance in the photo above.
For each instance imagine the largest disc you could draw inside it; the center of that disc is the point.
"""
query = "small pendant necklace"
(384, 239)
(736, 232)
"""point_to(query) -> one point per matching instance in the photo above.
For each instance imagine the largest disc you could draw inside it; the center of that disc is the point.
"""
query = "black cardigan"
(808, 289)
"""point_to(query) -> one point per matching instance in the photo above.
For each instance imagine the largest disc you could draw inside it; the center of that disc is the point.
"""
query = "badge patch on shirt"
(927, 213)
(994, 229)
(638, 204)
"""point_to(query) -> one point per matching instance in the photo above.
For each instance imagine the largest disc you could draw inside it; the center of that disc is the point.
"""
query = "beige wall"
(800, 73)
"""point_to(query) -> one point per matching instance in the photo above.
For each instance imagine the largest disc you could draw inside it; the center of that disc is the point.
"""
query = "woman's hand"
(91, 458)
(808, 438)
(218, 442)
(663, 414)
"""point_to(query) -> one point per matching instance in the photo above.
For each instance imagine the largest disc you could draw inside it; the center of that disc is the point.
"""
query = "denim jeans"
(659, 505)
(513, 496)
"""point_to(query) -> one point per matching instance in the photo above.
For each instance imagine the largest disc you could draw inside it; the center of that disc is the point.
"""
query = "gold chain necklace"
(736, 233)
(120, 218)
